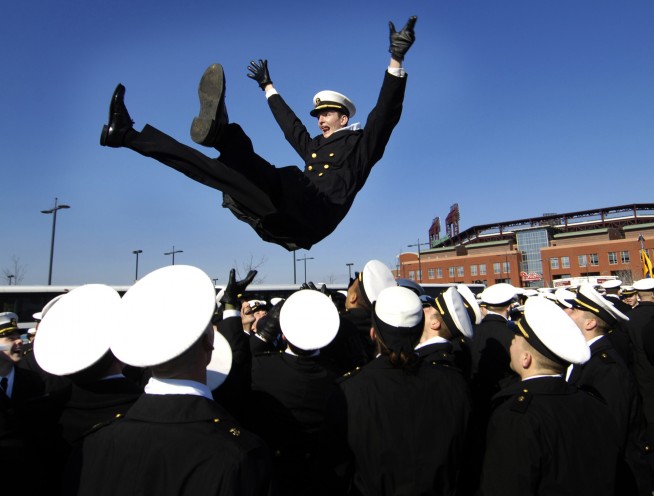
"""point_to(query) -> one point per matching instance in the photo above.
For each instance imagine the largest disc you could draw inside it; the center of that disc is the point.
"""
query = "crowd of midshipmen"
(378, 390)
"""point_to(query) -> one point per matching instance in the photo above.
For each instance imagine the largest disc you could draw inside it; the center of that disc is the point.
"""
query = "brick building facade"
(538, 251)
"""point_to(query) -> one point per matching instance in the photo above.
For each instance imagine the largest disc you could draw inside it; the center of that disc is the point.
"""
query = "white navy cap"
(309, 319)
(471, 303)
(612, 283)
(331, 100)
(451, 306)
(398, 318)
(46, 308)
(564, 297)
(258, 305)
(8, 322)
(530, 292)
(628, 291)
(31, 331)
(376, 277)
(552, 332)
(646, 284)
(498, 294)
(163, 314)
(87, 316)
(589, 300)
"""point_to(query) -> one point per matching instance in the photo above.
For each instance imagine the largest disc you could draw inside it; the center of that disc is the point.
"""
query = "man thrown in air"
(288, 206)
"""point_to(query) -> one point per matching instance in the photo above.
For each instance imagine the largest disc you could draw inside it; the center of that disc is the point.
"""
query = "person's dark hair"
(362, 299)
(406, 361)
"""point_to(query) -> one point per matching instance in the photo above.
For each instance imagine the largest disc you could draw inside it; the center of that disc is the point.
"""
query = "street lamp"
(349, 268)
(173, 253)
(419, 263)
(53, 211)
(136, 252)
(10, 277)
(305, 266)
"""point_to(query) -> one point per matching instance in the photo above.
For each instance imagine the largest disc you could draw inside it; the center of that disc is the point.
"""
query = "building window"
(594, 259)
(565, 262)
(430, 273)
(412, 275)
(439, 273)
(451, 271)
(581, 260)
(473, 270)
(624, 257)
(496, 268)
(460, 271)
(482, 269)
(554, 263)
(613, 258)
(507, 267)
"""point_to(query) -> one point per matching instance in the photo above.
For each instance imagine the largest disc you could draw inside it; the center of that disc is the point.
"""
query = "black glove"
(259, 72)
(234, 288)
(268, 327)
(402, 41)
(309, 285)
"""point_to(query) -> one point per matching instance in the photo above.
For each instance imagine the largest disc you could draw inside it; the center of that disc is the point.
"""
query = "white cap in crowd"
(75, 333)
(552, 332)
(398, 318)
(471, 303)
(374, 278)
(309, 319)
(498, 295)
(163, 314)
(452, 308)
(646, 284)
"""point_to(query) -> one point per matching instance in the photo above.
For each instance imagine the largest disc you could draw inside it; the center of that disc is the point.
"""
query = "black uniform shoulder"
(521, 401)
(348, 375)
(101, 425)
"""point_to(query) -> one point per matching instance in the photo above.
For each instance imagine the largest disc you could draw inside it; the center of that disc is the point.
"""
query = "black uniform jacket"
(639, 318)
(608, 376)
(549, 438)
(490, 357)
(173, 445)
(286, 205)
(406, 429)
(309, 204)
(94, 403)
(291, 394)
(28, 433)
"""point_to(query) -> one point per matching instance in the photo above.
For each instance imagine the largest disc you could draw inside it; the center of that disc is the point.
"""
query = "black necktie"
(4, 382)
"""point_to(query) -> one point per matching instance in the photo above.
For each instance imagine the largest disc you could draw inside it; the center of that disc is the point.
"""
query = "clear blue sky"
(513, 108)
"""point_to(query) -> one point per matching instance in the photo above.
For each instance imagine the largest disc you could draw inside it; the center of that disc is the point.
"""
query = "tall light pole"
(305, 265)
(173, 253)
(349, 268)
(53, 211)
(137, 252)
(419, 264)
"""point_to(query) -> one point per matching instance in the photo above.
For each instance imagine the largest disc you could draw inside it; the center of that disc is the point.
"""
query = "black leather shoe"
(207, 127)
(113, 134)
